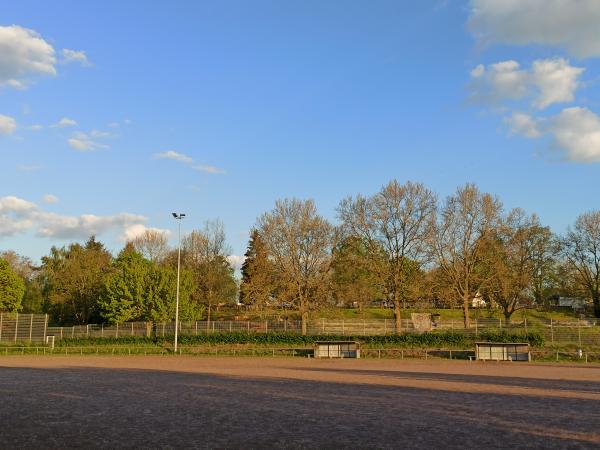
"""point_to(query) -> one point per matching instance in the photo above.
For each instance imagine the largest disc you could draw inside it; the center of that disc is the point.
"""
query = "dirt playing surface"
(175, 402)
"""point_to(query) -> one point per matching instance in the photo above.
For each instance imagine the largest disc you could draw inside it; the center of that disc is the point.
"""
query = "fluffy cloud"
(24, 55)
(64, 123)
(83, 142)
(7, 125)
(569, 24)
(188, 160)
(70, 56)
(133, 231)
(549, 81)
(523, 124)
(556, 81)
(576, 131)
(236, 261)
(19, 215)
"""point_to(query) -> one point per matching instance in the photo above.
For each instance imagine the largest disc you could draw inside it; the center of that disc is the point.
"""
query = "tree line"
(84, 283)
(401, 246)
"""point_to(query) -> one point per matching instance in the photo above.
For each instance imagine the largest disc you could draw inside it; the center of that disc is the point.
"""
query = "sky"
(115, 114)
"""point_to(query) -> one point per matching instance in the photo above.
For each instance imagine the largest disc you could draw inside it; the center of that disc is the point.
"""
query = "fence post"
(525, 325)
(132, 328)
(248, 324)
(117, 331)
(343, 328)
(551, 330)
(61, 332)
(230, 326)
(87, 330)
(323, 325)
(45, 327)
(1, 318)
(364, 328)
(30, 327)
(476, 327)
(73, 332)
(196, 322)
(16, 326)
(579, 331)
(385, 326)
(500, 322)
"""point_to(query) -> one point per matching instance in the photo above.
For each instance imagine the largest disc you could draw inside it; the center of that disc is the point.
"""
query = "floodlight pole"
(177, 217)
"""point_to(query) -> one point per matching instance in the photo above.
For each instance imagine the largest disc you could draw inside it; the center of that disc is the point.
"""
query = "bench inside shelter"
(337, 349)
(502, 351)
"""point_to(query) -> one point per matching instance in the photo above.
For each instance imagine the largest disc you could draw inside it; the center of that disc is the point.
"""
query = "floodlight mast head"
(178, 216)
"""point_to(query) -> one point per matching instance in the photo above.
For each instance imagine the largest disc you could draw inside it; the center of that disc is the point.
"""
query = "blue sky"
(114, 114)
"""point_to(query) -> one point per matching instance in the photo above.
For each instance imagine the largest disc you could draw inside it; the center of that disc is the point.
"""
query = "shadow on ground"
(110, 408)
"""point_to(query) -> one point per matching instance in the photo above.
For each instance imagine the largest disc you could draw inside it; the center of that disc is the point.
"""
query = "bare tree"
(205, 253)
(152, 244)
(299, 243)
(396, 223)
(467, 217)
(582, 252)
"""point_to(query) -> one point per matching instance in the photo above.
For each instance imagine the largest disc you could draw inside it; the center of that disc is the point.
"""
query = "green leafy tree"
(73, 280)
(138, 289)
(353, 280)
(12, 288)
(258, 280)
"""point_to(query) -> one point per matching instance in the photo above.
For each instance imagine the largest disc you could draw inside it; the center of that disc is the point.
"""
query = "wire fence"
(274, 352)
(584, 333)
(15, 327)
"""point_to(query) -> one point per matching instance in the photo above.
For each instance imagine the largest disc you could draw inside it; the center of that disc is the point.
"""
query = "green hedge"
(431, 340)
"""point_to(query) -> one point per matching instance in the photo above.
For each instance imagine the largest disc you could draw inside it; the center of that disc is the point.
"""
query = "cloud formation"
(136, 230)
(25, 55)
(83, 142)
(72, 56)
(64, 123)
(7, 125)
(576, 132)
(188, 160)
(549, 81)
(523, 124)
(50, 199)
(568, 24)
(18, 215)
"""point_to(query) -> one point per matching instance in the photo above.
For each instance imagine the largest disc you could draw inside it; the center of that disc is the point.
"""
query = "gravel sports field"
(191, 402)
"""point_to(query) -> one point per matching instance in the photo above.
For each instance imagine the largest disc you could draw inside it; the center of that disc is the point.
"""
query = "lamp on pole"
(178, 217)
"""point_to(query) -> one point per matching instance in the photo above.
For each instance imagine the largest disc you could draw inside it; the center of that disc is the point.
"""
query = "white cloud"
(501, 81)
(523, 124)
(70, 56)
(548, 82)
(64, 123)
(171, 154)
(236, 261)
(7, 125)
(24, 55)
(576, 132)
(50, 199)
(18, 215)
(569, 24)
(556, 81)
(189, 161)
(208, 169)
(84, 143)
(35, 127)
(133, 231)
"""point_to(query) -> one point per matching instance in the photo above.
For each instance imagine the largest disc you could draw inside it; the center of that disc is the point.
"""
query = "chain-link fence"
(579, 333)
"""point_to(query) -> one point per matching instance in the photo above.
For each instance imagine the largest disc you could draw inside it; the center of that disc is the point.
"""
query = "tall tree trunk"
(398, 315)
(466, 319)
(304, 316)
